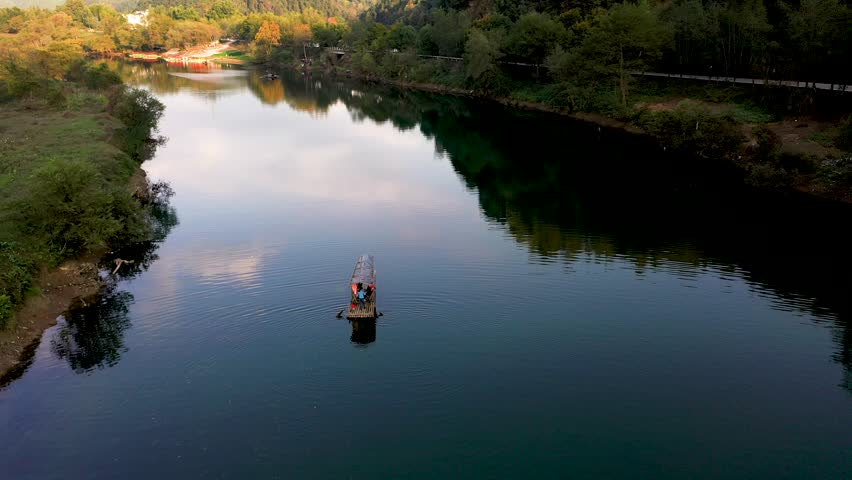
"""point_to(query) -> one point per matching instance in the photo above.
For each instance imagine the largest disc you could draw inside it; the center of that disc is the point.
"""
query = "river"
(559, 302)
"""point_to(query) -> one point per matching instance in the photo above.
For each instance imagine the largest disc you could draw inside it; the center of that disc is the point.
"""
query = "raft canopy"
(365, 271)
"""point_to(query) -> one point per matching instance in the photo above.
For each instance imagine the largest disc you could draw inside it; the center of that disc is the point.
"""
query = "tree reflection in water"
(568, 191)
(576, 192)
(93, 334)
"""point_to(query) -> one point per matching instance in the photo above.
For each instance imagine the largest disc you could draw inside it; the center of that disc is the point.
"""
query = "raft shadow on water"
(363, 332)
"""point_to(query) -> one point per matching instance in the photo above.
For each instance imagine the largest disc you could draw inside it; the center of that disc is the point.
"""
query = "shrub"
(767, 143)
(836, 173)
(83, 99)
(5, 310)
(70, 207)
(795, 161)
(425, 71)
(139, 111)
(98, 78)
(363, 62)
(19, 80)
(15, 279)
(282, 56)
(15, 272)
(768, 176)
(694, 128)
(844, 134)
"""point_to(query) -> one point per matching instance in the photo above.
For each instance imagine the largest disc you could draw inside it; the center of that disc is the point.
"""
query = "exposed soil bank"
(77, 279)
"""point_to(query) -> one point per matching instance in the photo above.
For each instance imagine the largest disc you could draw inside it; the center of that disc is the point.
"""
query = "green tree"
(818, 30)
(183, 12)
(222, 9)
(402, 37)
(140, 112)
(102, 13)
(426, 41)
(534, 36)
(694, 30)
(364, 62)
(623, 39)
(100, 44)
(156, 33)
(328, 35)
(57, 59)
(742, 39)
(450, 28)
(79, 11)
(481, 53)
(69, 207)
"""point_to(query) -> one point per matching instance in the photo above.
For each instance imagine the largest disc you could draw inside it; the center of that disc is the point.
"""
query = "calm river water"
(559, 302)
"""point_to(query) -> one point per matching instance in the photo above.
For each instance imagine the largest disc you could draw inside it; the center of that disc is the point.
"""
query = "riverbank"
(71, 188)
(223, 53)
(596, 118)
(793, 154)
(55, 291)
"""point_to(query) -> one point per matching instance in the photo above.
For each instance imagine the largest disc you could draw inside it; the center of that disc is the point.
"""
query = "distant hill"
(50, 4)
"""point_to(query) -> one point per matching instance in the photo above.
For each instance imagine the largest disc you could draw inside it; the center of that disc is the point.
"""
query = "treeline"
(808, 38)
(76, 27)
(799, 39)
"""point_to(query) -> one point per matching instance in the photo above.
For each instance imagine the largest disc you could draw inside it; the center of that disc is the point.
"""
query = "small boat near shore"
(270, 76)
(363, 281)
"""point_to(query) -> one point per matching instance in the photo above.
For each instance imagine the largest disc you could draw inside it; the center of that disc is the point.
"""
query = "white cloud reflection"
(281, 156)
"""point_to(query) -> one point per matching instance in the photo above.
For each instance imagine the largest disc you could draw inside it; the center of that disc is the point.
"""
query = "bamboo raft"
(365, 275)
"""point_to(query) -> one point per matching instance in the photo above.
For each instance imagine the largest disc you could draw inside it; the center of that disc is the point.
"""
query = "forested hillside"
(806, 39)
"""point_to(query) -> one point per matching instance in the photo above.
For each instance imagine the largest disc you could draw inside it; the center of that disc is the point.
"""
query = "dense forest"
(804, 39)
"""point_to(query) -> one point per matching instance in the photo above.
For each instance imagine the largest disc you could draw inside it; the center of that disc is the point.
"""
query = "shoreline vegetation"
(71, 188)
(798, 163)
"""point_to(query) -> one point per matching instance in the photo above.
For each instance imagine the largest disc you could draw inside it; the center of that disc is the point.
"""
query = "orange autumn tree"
(268, 37)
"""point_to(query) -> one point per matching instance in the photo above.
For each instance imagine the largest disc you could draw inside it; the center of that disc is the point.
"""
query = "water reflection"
(570, 193)
(363, 331)
(210, 81)
(92, 335)
(163, 218)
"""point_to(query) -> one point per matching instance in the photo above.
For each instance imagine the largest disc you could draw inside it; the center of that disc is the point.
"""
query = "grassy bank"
(70, 150)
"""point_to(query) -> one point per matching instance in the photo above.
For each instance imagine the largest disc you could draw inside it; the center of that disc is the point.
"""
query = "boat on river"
(363, 277)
